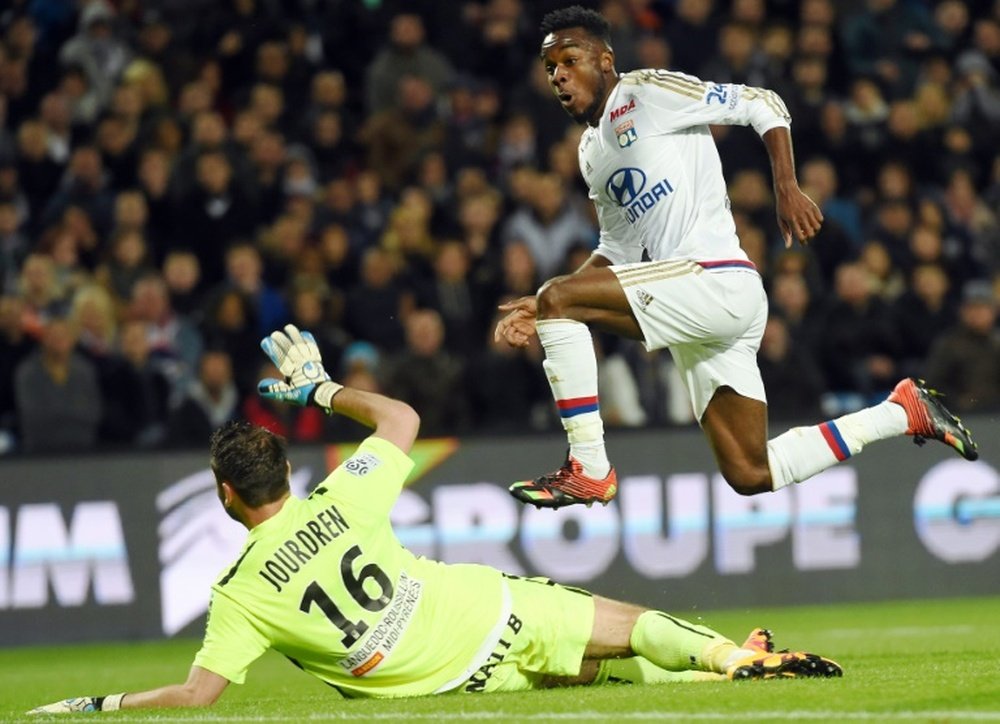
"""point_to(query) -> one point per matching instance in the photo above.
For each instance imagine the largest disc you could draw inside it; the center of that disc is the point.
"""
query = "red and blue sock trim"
(835, 440)
(576, 406)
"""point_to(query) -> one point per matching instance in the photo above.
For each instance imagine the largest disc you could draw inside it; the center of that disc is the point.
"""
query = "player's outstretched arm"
(202, 688)
(798, 215)
(306, 382)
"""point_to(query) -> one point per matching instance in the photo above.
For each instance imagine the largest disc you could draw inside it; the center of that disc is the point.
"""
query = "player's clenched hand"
(518, 326)
(798, 216)
(81, 705)
(297, 357)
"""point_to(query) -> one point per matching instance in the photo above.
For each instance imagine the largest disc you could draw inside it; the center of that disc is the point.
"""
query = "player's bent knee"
(748, 480)
(553, 299)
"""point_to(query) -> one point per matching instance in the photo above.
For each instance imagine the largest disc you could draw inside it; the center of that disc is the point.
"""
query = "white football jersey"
(654, 171)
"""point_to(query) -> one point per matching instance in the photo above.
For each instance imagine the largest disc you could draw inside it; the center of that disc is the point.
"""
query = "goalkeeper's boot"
(765, 663)
(759, 640)
(566, 486)
(929, 419)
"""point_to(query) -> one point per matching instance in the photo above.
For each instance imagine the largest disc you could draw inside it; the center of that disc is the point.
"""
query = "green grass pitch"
(914, 661)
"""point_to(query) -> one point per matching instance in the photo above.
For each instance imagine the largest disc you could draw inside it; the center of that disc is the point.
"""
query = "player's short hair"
(575, 16)
(252, 459)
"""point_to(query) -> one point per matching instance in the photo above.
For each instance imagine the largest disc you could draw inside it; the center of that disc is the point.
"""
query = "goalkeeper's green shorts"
(547, 635)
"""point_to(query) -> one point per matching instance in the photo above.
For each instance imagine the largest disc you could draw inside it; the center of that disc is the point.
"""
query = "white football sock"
(571, 368)
(802, 452)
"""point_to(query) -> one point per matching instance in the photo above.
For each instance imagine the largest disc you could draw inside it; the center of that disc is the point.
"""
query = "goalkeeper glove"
(297, 357)
(81, 705)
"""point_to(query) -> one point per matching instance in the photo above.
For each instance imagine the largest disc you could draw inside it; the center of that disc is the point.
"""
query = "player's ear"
(607, 61)
(226, 494)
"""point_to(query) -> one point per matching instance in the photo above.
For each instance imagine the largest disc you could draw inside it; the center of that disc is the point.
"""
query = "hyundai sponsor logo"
(627, 188)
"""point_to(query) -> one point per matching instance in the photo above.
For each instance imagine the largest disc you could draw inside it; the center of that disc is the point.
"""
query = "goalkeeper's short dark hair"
(576, 16)
(252, 459)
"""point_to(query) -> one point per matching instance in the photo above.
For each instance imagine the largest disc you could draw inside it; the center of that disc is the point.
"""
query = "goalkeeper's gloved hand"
(81, 705)
(297, 357)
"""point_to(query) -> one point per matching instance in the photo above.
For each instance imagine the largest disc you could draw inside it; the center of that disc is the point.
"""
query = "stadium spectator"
(887, 282)
(15, 345)
(820, 180)
(56, 116)
(692, 34)
(245, 273)
(549, 224)
(406, 53)
(397, 136)
(14, 247)
(38, 173)
(86, 185)
(214, 214)
(148, 403)
(44, 298)
(977, 103)
(340, 260)
(97, 49)
(430, 377)
(370, 208)
(951, 18)
(885, 38)
(209, 401)
(57, 394)
(791, 369)
(738, 58)
(230, 325)
(408, 238)
(454, 295)
(965, 360)
(860, 346)
(173, 340)
(922, 314)
(332, 148)
(94, 316)
(132, 213)
(478, 227)
(182, 275)
(327, 94)
(268, 154)
(128, 261)
(508, 392)
(377, 304)
(62, 245)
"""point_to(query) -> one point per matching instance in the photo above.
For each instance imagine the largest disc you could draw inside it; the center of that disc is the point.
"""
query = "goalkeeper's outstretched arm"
(393, 420)
(202, 688)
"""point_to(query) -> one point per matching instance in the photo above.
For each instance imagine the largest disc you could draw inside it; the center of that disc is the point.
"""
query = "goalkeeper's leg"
(621, 630)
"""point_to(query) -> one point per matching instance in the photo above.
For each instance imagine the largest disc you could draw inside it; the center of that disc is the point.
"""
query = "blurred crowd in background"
(180, 177)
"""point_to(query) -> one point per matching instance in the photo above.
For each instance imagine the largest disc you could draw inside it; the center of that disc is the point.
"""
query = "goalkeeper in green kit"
(325, 582)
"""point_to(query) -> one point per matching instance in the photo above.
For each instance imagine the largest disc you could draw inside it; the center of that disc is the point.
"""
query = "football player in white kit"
(669, 271)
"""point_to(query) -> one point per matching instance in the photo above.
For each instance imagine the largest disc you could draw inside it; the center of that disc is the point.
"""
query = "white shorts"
(710, 315)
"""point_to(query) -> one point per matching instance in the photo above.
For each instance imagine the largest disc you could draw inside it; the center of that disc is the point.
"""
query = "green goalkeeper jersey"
(326, 583)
